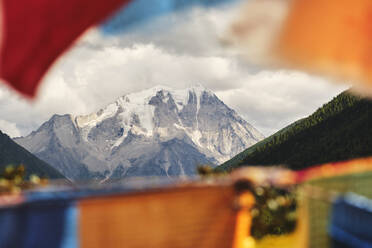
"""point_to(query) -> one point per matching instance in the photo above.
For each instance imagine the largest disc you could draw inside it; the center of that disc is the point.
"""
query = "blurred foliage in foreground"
(13, 180)
(275, 209)
(206, 171)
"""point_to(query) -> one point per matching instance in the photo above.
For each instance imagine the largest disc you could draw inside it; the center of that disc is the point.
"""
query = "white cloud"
(271, 100)
(99, 70)
(9, 128)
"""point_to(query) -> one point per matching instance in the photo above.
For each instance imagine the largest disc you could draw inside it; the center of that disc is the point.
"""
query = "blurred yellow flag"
(329, 36)
(332, 37)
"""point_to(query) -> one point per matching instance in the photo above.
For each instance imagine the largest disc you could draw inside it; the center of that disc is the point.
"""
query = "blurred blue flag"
(140, 11)
(351, 221)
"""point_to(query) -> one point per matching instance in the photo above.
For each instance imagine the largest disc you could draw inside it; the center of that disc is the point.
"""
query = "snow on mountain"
(155, 132)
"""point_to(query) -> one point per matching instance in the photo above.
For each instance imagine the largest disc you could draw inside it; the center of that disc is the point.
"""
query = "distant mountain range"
(339, 130)
(156, 132)
(13, 154)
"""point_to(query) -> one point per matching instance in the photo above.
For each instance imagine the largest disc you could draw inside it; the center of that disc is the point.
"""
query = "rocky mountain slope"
(156, 132)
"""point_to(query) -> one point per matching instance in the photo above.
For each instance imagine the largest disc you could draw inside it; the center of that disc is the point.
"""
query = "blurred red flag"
(36, 32)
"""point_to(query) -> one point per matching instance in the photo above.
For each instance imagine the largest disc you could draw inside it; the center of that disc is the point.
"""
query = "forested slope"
(12, 153)
(339, 130)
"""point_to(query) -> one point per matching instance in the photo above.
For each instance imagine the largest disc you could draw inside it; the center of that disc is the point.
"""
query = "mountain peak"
(198, 86)
(178, 94)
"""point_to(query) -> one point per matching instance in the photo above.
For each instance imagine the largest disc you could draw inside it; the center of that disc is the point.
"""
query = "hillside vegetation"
(339, 130)
(12, 153)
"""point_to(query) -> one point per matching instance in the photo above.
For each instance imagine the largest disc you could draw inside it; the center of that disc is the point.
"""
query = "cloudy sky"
(177, 50)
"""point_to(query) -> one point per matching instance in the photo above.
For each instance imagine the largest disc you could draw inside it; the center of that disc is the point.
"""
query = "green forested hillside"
(339, 130)
(12, 153)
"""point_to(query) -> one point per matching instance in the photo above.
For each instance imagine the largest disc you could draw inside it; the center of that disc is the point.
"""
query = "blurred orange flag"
(332, 37)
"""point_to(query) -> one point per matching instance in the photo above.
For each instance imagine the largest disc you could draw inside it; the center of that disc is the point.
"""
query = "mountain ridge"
(120, 139)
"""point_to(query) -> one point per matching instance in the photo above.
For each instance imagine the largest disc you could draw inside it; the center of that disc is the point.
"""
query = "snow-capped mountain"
(159, 131)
